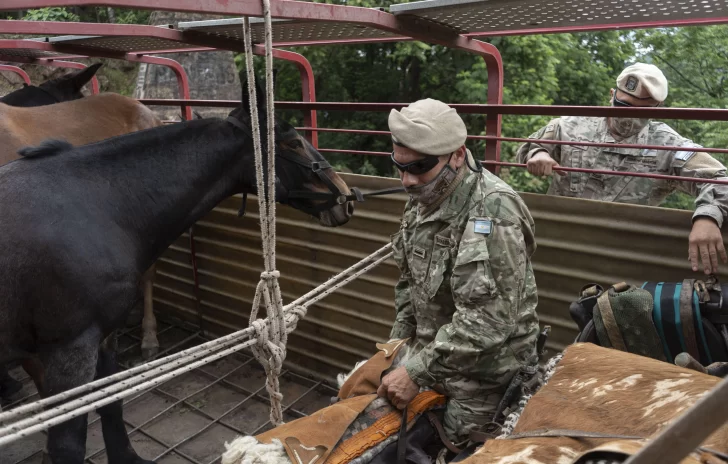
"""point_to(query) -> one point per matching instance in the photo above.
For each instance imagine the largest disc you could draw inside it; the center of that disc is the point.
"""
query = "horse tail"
(46, 148)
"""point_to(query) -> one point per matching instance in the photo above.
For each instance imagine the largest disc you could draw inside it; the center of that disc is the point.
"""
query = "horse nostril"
(349, 208)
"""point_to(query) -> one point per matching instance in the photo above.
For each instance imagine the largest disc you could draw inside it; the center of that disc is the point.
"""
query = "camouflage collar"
(459, 198)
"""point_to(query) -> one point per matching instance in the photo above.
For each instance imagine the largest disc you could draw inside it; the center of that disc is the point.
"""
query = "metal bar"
(290, 406)
(699, 114)
(183, 82)
(522, 140)
(195, 277)
(620, 173)
(207, 426)
(602, 27)
(54, 62)
(353, 152)
(283, 9)
(176, 403)
(16, 70)
(308, 88)
(687, 433)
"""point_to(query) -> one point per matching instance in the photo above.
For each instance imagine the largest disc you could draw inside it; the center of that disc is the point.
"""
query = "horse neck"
(172, 176)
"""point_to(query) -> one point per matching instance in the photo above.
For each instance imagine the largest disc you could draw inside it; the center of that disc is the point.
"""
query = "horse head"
(61, 89)
(304, 179)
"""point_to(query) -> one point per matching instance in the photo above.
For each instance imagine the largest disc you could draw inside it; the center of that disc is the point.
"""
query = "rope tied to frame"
(270, 348)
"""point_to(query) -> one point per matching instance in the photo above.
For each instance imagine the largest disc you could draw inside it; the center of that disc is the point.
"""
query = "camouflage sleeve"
(710, 199)
(488, 281)
(550, 132)
(404, 319)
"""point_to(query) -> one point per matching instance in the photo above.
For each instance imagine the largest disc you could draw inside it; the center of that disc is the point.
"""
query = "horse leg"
(65, 367)
(9, 387)
(118, 446)
(150, 344)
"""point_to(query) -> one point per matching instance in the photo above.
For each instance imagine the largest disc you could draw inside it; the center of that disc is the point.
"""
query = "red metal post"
(16, 70)
(308, 86)
(182, 81)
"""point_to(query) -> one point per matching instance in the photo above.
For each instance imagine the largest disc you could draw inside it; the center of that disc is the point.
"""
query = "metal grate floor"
(188, 419)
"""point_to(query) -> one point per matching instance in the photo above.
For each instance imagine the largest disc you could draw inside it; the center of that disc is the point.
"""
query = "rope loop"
(270, 275)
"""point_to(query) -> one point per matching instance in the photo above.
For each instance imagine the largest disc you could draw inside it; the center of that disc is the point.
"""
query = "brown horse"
(80, 122)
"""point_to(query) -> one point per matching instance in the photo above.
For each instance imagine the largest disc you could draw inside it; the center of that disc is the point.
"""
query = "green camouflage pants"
(464, 415)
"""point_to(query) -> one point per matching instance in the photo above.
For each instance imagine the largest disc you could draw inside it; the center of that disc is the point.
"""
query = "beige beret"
(429, 127)
(643, 80)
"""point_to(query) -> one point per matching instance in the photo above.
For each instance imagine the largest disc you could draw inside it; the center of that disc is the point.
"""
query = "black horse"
(64, 88)
(81, 225)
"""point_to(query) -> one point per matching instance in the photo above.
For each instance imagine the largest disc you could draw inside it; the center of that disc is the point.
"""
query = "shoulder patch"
(687, 153)
(443, 241)
(482, 226)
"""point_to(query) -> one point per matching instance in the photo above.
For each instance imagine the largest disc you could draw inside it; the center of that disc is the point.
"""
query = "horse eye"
(295, 144)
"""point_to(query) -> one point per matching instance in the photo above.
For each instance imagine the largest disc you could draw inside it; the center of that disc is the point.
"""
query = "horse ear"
(81, 78)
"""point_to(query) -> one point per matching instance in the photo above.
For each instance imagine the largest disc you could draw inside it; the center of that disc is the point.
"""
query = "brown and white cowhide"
(606, 391)
(248, 450)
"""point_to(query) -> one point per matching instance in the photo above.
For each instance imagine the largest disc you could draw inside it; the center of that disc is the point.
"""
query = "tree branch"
(688, 81)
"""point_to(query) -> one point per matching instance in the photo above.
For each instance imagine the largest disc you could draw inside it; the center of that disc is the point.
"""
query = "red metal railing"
(16, 70)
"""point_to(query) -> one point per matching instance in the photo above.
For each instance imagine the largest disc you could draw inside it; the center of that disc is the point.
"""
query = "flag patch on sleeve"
(483, 226)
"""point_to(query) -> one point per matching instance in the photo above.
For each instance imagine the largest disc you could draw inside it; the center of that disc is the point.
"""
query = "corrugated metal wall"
(579, 241)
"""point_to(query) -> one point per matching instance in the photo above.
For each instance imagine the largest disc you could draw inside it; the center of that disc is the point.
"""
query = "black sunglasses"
(418, 167)
(617, 102)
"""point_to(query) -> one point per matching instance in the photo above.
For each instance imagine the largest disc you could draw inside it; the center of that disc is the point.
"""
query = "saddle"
(315, 439)
(658, 320)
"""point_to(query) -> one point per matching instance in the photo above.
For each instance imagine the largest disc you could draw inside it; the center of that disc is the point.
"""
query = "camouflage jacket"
(467, 294)
(710, 199)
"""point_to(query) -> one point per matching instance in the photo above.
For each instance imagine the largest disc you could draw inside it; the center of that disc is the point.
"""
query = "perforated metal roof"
(285, 30)
(124, 44)
(473, 16)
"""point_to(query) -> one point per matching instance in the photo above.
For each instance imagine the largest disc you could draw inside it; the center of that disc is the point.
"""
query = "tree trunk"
(111, 14)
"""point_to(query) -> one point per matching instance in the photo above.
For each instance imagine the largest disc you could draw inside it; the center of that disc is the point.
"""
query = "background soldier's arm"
(710, 199)
(487, 283)
(550, 132)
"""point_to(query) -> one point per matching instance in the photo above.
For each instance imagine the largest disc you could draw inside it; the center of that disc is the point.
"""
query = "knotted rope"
(270, 349)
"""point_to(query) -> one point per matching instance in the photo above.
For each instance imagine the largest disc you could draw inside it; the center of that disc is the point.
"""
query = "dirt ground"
(188, 419)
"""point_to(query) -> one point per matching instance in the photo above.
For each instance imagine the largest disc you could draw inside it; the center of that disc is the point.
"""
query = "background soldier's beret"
(643, 80)
(429, 127)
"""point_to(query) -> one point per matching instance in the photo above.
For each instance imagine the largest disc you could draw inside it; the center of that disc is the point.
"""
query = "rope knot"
(270, 275)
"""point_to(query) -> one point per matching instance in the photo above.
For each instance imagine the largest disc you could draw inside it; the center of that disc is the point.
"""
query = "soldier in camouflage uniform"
(640, 85)
(467, 295)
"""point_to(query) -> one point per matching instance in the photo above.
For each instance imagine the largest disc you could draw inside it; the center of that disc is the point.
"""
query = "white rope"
(169, 367)
(272, 337)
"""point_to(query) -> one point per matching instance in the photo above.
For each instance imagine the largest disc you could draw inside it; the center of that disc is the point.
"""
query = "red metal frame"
(16, 70)
(53, 62)
(280, 9)
(410, 30)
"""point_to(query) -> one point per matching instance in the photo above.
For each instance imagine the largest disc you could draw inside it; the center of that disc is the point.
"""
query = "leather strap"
(687, 318)
(610, 323)
(437, 425)
(402, 439)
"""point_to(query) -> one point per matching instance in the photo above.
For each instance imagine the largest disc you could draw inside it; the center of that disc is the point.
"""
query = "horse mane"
(46, 148)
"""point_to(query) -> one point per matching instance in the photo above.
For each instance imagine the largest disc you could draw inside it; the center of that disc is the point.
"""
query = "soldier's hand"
(706, 242)
(541, 164)
(398, 387)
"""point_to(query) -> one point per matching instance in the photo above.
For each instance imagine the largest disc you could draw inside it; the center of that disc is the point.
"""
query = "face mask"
(626, 127)
(428, 193)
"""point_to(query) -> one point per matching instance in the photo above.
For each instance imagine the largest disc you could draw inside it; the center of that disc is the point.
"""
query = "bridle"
(321, 168)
